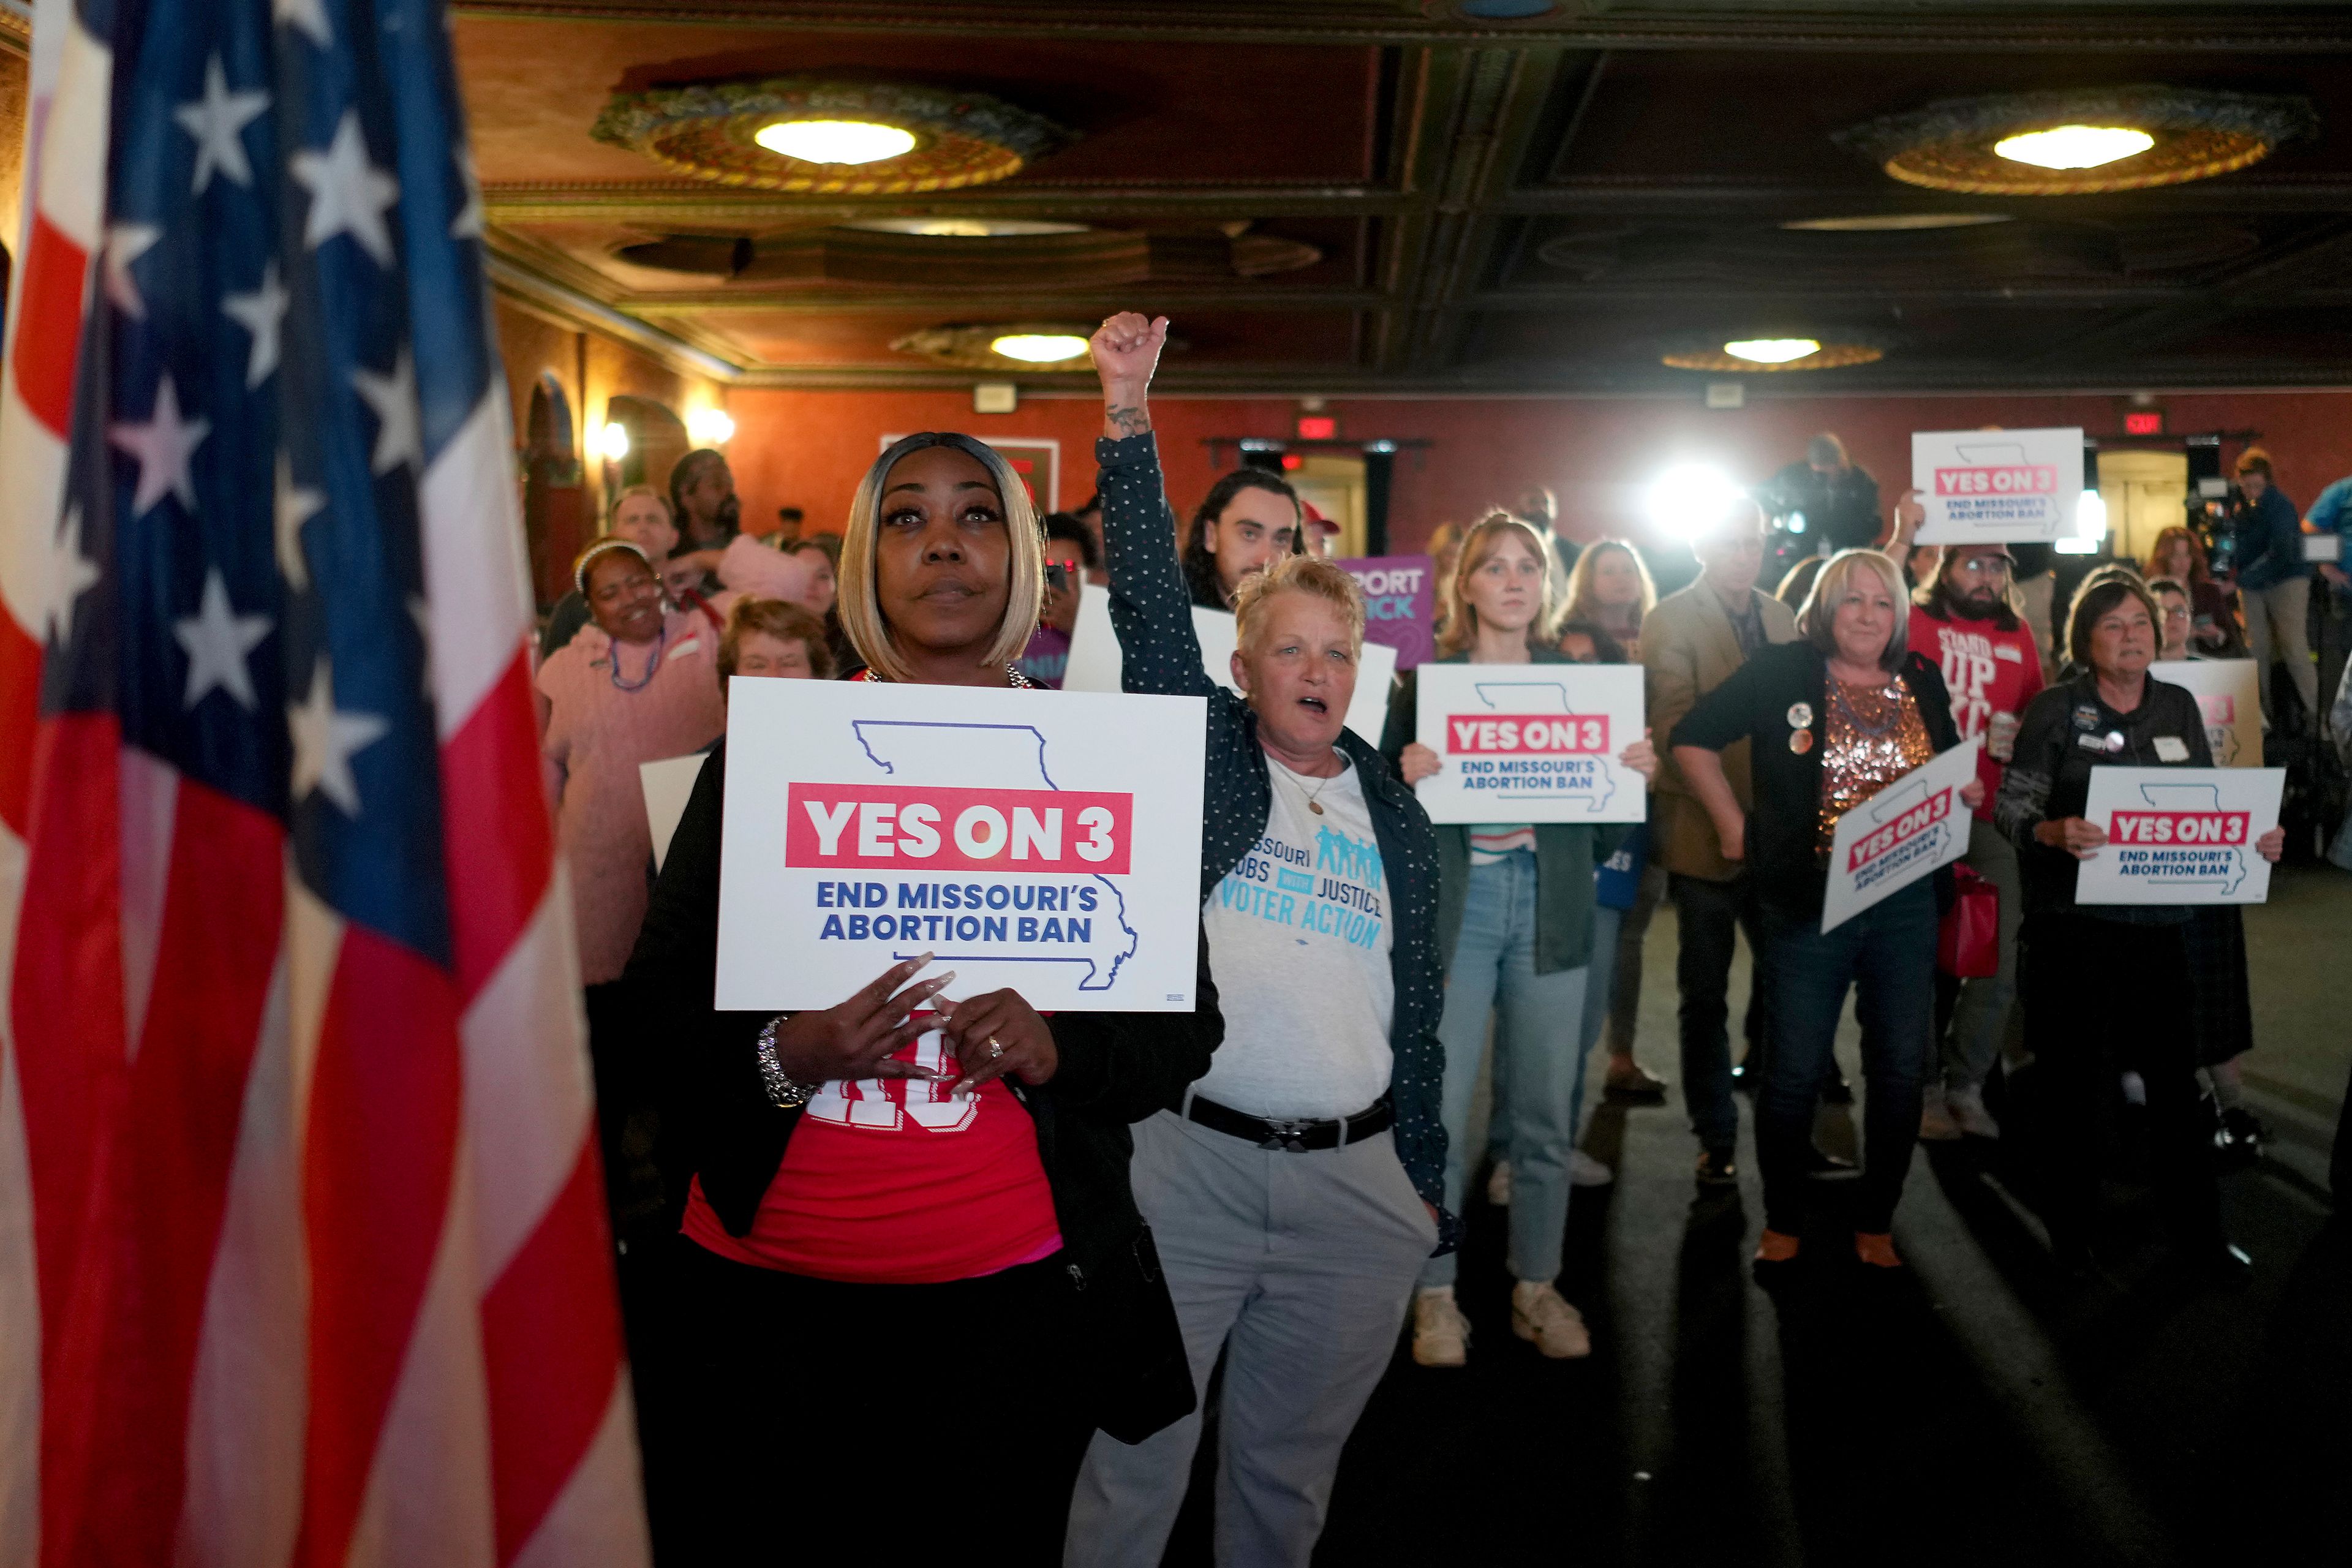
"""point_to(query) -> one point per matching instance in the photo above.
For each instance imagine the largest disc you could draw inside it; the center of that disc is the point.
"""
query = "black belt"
(1286, 1135)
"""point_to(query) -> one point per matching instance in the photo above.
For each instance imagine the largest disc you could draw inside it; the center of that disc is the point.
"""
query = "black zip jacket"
(1783, 827)
(1115, 1068)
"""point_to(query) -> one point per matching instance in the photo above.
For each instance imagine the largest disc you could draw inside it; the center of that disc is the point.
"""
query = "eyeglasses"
(1986, 565)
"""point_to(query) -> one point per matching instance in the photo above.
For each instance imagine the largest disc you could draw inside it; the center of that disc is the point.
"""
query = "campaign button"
(1800, 741)
(1801, 715)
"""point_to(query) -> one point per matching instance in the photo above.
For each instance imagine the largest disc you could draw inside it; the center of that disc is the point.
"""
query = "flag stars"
(125, 243)
(349, 194)
(295, 505)
(306, 16)
(163, 447)
(218, 641)
(218, 121)
(394, 397)
(260, 313)
(325, 739)
(71, 574)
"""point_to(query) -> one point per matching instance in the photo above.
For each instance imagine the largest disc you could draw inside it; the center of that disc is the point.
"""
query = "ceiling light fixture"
(2075, 143)
(1894, 223)
(2074, 146)
(835, 140)
(1772, 350)
(1039, 348)
(965, 227)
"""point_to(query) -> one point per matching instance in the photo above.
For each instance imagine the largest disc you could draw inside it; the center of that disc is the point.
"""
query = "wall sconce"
(710, 427)
(612, 442)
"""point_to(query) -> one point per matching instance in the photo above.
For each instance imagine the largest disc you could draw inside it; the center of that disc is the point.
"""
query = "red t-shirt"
(895, 1182)
(1989, 672)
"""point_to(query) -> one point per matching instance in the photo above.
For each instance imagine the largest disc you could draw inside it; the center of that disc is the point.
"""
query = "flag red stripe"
(166, 1183)
(551, 1342)
(20, 697)
(65, 1014)
(49, 305)
(379, 1158)
(500, 843)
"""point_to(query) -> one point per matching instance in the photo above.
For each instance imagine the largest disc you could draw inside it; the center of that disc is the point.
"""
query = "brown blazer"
(1688, 650)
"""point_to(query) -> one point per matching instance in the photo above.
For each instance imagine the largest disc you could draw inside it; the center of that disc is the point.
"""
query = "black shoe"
(1744, 1081)
(1716, 1169)
(2238, 1138)
(1823, 1166)
(1837, 1091)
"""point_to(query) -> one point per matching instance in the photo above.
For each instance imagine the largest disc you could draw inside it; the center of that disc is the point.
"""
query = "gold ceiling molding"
(965, 346)
(1949, 145)
(707, 130)
(1094, 257)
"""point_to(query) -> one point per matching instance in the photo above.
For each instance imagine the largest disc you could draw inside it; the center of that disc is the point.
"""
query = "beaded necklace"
(660, 642)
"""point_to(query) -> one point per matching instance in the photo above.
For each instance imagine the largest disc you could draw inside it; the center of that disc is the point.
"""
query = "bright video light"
(612, 442)
(1772, 350)
(834, 141)
(2074, 146)
(1689, 496)
(710, 427)
(1039, 348)
(2089, 526)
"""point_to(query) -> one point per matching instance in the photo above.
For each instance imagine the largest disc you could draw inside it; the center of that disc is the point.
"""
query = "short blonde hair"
(651, 494)
(1312, 574)
(859, 602)
(1459, 625)
(1817, 617)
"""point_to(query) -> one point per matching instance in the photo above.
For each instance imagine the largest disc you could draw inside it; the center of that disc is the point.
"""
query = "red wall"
(809, 448)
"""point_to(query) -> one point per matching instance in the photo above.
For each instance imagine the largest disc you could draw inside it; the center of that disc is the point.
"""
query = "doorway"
(1334, 486)
(2146, 493)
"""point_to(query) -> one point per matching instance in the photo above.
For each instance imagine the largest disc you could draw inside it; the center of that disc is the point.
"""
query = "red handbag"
(1967, 943)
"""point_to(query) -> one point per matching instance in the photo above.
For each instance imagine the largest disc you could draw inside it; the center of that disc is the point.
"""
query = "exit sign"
(2150, 423)
(1317, 428)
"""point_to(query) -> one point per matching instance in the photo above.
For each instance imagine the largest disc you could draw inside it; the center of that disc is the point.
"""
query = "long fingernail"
(962, 1090)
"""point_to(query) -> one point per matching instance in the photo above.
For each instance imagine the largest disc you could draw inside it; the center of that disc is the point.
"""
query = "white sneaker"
(1498, 1186)
(1540, 1314)
(1584, 1171)
(1441, 1334)
(1967, 1109)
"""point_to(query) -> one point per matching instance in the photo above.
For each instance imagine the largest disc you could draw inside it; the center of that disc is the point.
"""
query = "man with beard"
(702, 500)
(1965, 617)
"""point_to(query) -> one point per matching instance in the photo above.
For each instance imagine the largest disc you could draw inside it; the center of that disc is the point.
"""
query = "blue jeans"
(1599, 994)
(1888, 954)
(1537, 1020)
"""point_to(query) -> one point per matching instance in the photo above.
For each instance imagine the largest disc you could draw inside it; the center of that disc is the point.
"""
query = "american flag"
(302, 1249)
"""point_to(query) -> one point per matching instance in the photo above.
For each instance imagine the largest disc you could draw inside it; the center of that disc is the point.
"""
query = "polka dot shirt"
(1153, 615)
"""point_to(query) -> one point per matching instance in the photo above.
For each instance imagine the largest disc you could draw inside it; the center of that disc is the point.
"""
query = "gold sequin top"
(1875, 736)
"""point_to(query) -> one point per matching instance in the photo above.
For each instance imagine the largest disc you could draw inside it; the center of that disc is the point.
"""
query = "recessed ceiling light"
(2074, 146)
(1894, 223)
(965, 227)
(1039, 348)
(1772, 350)
(834, 141)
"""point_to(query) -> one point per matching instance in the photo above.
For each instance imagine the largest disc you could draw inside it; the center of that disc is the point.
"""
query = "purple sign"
(1399, 603)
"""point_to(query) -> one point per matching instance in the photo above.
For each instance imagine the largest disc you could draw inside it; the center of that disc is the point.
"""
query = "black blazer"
(1115, 1068)
(1755, 705)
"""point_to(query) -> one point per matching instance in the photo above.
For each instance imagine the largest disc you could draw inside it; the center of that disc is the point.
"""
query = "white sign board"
(1096, 662)
(2229, 693)
(1900, 834)
(1530, 742)
(1045, 841)
(2180, 836)
(1979, 485)
(667, 786)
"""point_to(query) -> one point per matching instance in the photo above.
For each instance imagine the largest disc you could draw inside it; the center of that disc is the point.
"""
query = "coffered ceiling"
(1394, 195)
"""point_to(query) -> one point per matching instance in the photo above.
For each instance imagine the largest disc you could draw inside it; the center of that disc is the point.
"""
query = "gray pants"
(1981, 1016)
(2278, 627)
(1300, 1267)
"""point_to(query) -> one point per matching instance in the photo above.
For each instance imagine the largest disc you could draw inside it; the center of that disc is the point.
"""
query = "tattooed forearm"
(1123, 419)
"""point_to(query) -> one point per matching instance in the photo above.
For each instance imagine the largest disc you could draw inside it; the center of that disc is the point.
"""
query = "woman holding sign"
(1515, 915)
(1296, 1190)
(884, 1285)
(1833, 719)
(2110, 715)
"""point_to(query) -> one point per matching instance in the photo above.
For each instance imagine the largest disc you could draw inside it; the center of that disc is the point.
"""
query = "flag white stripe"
(599, 1516)
(72, 166)
(477, 580)
(151, 797)
(242, 1505)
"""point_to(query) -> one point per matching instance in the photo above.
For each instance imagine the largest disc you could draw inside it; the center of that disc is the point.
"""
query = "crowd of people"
(1274, 1184)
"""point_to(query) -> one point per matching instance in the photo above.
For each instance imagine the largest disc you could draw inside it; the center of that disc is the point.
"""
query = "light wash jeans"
(1538, 1022)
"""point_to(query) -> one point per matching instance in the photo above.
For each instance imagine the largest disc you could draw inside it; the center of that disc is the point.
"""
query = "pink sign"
(1399, 603)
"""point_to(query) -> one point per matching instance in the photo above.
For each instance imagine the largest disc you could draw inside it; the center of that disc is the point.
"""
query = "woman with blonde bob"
(1832, 719)
(825, 1213)
(1516, 924)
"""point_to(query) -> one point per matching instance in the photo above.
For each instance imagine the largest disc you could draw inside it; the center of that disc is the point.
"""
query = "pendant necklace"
(1313, 803)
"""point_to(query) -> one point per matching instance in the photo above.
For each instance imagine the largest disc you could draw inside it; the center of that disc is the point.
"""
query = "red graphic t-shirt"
(897, 1181)
(1992, 674)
